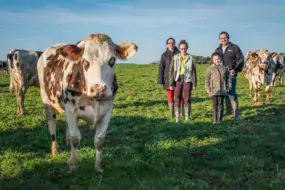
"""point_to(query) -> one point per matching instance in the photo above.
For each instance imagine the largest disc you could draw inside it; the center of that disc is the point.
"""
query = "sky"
(37, 25)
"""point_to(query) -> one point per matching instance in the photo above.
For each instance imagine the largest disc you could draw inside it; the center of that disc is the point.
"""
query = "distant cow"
(23, 73)
(279, 62)
(4, 67)
(77, 80)
(258, 70)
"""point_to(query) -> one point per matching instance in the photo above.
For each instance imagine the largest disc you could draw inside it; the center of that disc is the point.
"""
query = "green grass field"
(144, 148)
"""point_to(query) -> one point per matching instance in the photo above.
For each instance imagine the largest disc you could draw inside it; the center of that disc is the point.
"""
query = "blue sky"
(36, 25)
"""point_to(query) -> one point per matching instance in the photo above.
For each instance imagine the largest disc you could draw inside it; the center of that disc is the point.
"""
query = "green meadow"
(144, 148)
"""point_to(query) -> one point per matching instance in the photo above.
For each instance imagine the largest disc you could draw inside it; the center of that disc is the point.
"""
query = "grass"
(144, 148)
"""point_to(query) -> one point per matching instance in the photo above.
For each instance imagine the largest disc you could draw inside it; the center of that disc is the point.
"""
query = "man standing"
(233, 60)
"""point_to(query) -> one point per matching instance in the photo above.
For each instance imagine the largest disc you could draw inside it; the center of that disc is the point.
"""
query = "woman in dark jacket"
(163, 75)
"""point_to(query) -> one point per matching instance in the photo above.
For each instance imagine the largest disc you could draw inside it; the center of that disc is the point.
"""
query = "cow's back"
(50, 72)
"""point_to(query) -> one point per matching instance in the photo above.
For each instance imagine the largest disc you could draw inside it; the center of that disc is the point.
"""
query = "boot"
(177, 114)
(214, 117)
(187, 113)
(171, 110)
(235, 109)
(220, 116)
(228, 106)
(182, 109)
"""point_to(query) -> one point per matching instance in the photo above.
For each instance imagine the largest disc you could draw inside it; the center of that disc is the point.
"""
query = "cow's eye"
(112, 62)
(86, 64)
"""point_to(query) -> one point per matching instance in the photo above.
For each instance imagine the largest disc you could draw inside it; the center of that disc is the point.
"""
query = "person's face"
(183, 49)
(216, 60)
(224, 39)
(170, 44)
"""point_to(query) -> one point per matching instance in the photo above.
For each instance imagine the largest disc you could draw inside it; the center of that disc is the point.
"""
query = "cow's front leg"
(20, 95)
(250, 88)
(74, 134)
(267, 91)
(51, 120)
(101, 128)
(11, 86)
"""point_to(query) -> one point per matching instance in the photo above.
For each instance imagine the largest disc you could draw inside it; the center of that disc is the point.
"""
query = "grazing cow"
(77, 80)
(279, 62)
(23, 73)
(258, 70)
(4, 67)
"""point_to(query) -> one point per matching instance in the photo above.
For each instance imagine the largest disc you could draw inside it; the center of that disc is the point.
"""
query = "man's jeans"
(232, 99)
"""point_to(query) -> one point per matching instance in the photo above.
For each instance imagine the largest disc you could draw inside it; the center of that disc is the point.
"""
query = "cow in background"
(4, 67)
(23, 73)
(279, 62)
(78, 81)
(258, 69)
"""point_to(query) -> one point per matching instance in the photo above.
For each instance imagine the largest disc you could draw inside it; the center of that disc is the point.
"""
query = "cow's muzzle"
(97, 91)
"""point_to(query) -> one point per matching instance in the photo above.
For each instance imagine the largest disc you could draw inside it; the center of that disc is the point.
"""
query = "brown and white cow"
(77, 80)
(258, 70)
(279, 62)
(23, 73)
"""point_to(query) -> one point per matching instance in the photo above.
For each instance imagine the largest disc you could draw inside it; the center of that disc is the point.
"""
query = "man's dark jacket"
(163, 72)
(232, 58)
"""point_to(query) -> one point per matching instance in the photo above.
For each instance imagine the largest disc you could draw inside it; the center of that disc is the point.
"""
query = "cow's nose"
(98, 90)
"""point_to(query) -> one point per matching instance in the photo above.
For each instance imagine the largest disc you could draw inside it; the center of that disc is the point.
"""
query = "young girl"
(217, 85)
(183, 76)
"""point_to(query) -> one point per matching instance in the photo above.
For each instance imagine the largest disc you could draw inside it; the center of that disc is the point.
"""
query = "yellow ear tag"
(73, 56)
(126, 53)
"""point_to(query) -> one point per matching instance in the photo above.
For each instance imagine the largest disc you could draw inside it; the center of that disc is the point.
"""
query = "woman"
(163, 75)
(183, 76)
(217, 85)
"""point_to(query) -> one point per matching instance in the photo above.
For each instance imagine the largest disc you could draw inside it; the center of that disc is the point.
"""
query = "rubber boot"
(187, 113)
(220, 116)
(177, 114)
(171, 109)
(182, 108)
(235, 109)
(228, 106)
(215, 117)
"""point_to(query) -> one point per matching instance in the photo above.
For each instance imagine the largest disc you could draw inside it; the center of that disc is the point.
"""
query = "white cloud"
(245, 26)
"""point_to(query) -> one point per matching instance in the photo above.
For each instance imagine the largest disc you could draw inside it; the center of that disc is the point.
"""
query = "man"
(163, 72)
(233, 59)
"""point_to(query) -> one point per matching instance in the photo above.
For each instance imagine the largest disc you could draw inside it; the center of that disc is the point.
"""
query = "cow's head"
(260, 63)
(13, 59)
(266, 59)
(96, 56)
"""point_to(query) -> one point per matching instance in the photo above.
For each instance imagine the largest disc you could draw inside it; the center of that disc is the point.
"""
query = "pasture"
(144, 148)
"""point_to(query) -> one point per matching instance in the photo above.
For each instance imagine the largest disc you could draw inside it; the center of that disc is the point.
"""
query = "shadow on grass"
(4, 85)
(157, 102)
(243, 155)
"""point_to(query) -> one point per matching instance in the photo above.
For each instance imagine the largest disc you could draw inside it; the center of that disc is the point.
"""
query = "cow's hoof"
(20, 113)
(54, 149)
(73, 168)
(99, 168)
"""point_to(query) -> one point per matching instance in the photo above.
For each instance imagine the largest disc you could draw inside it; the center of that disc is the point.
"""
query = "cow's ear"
(72, 52)
(81, 44)
(254, 55)
(125, 50)
(273, 54)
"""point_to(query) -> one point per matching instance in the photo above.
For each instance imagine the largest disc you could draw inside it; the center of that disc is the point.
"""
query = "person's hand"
(171, 88)
(208, 91)
(193, 88)
(232, 72)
